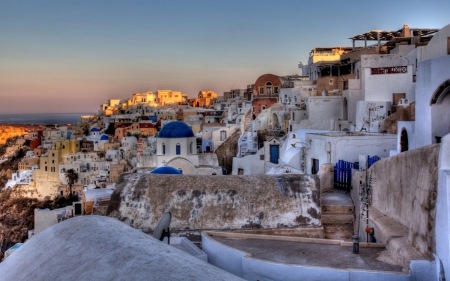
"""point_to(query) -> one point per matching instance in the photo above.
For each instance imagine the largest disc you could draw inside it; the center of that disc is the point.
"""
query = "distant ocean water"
(42, 118)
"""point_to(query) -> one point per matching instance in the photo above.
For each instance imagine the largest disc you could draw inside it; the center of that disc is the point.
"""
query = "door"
(314, 166)
(274, 153)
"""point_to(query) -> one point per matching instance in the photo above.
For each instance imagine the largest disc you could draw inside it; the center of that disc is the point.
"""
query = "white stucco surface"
(443, 206)
(347, 146)
(243, 264)
(102, 248)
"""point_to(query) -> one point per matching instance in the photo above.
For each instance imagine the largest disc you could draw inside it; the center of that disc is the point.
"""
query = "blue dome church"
(176, 147)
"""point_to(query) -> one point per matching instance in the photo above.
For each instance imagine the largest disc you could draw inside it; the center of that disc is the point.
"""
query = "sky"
(71, 56)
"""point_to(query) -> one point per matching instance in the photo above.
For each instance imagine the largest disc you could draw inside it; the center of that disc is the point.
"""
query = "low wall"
(405, 189)
(244, 265)
(217, 202)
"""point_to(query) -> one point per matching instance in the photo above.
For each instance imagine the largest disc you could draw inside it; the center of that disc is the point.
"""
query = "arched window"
(404, 140)
(268, 88)
(178, 149)
(163, 148)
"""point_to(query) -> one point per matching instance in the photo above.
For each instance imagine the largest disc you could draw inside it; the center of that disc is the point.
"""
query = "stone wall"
(217, 202)
(227, 150)
(404, 113)
(405, 189)
(115, 170)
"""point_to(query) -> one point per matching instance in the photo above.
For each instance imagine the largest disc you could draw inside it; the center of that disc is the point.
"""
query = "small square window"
(448, 45)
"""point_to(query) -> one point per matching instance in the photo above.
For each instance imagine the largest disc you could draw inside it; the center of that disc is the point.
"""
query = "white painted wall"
(347, 147)
(380, 111)
(430, 75)
(244, 265)
(352, 96)
(252, 164)
(443, 207)
(437, 47)
(380, 87)
(410, 129)
(320, 110)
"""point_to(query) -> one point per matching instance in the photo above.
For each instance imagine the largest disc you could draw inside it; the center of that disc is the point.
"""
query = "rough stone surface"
(326, 175)
(217, 202)
(403, 203)
(405, 189)
(227, 150)
(102, 248)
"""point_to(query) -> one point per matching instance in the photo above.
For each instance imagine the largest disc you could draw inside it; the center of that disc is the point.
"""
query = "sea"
(42, 118)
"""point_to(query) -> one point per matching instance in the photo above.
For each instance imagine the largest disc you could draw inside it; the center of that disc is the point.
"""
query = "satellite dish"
(162, 228)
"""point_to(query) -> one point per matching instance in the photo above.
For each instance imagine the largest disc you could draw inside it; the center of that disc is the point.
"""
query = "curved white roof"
(103, 248)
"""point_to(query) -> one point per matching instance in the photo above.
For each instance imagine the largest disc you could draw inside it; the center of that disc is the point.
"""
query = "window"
(448, 45)
(345, 85)
(53, 154)
(45, 168)
(191, 148)
(268, 88)
(163, 149)
(261, 90)
(178, 149)
(275, 90)
(53, 161)
(263, 107)
(223, 135)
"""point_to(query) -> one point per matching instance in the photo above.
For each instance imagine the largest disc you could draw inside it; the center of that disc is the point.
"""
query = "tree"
(71, 177)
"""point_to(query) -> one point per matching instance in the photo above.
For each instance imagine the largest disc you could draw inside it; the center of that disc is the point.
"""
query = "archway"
(440, 111)
(275, 122)
(404, 140)
(345, 115)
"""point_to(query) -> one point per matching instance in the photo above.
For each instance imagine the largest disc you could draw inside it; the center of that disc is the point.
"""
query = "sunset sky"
(71, 56)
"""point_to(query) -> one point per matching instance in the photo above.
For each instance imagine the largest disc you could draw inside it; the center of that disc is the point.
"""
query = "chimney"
(405, 32)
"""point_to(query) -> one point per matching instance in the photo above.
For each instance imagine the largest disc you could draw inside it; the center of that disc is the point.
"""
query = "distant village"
(346, 109)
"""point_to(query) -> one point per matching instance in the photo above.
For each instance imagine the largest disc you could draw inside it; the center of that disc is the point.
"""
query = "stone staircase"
(337, 214)
(248, 121)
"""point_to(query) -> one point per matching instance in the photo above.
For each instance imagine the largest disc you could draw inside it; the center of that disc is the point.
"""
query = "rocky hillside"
(9, 131)
(17, 217)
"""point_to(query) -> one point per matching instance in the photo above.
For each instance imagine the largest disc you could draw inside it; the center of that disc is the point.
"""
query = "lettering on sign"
(390, 70)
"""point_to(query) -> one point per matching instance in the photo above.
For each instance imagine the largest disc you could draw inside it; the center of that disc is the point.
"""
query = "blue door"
(274, 153)
(178, 149)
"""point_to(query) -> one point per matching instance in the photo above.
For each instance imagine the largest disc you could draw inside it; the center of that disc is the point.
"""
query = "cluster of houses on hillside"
(379, 99)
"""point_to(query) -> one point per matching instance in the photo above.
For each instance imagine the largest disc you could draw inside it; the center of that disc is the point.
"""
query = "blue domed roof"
(175, 129)
(95, 130)
(166, 170)
(104, 137)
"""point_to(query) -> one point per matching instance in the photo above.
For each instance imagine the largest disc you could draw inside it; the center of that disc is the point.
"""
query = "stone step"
(337, 218)
(333, 209)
